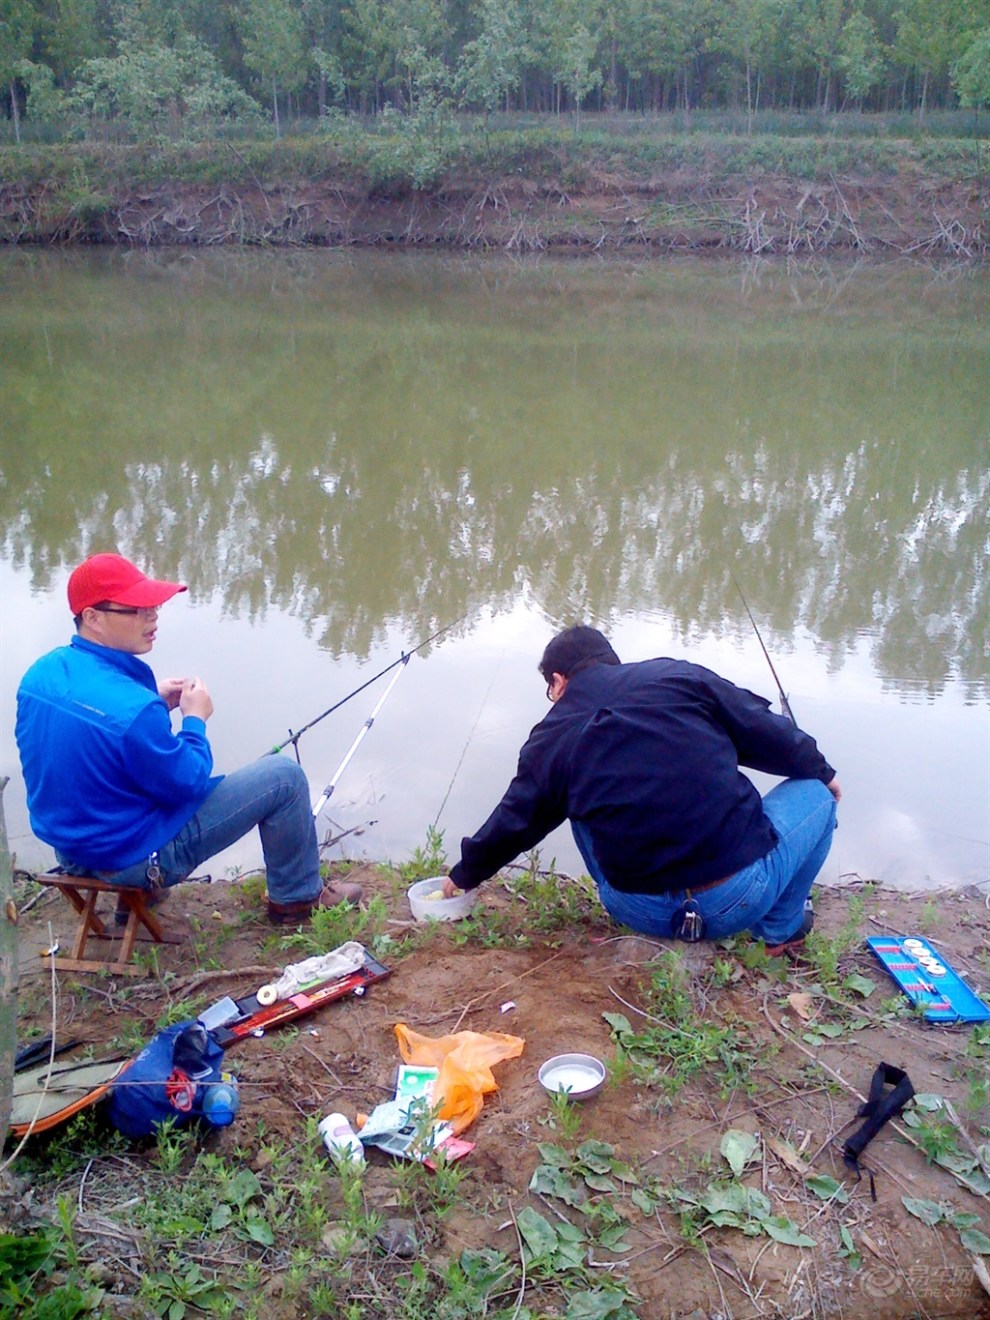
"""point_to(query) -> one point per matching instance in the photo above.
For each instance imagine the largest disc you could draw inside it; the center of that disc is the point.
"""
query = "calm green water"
(342, 452)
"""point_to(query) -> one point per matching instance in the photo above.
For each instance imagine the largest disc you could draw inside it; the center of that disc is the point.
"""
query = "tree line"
(155, 65)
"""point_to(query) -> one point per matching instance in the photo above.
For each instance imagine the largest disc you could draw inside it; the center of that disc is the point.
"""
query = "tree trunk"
(15, 112)
(278, 130)
(8, 975)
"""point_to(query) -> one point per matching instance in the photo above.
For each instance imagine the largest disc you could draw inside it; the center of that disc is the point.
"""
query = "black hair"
(575, 649)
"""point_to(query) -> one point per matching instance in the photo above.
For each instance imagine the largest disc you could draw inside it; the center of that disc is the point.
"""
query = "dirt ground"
(552, 990)
(679, 211)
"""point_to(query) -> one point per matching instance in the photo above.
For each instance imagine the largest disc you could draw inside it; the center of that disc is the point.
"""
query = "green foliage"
(554, 902)
(157, 69)
(933, 1127)
(748, 1209)
(72, 1145)
(172, 1292)
(971, 71)
(28, 1263)
(676, 1044)
(564, 1116)
(425, 862)
(971, 1235)
(328, 928)
(160, 91)
(171, 1145)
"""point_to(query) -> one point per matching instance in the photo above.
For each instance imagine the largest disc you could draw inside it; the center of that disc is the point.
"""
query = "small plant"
(132, 1037)
(971, 1235)
(848, 1249)
(171, 1145)
(553, 901)
(330, 927)
(929, 918)
(83, 1138)
(490, 929)
(977, 1096)
(28, 1263)
(933, 1126)
(425, 862)
(172, 1292)
(620, 1067)
(358, 1224)
(676, 1043)
(978, 1044)
(564, 1116)
(149, 961)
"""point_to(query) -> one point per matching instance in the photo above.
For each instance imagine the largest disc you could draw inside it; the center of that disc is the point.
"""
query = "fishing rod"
(293, 739)
(327, 793)
(785, 705)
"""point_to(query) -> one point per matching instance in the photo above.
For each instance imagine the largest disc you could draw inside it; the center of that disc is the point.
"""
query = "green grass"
(670, 1042)
(390, 159)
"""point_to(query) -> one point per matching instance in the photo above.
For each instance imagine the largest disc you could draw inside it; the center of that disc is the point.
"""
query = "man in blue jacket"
(644, 759)
(116, 792)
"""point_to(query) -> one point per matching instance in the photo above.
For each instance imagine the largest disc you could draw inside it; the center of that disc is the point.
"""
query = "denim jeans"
(273, 794)
(766, 898)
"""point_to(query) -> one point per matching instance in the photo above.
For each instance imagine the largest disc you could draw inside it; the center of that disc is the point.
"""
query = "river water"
(342, 452)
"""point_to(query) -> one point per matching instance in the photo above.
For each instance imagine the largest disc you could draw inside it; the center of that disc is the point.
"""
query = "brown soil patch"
(686, 210)
(345, 1057)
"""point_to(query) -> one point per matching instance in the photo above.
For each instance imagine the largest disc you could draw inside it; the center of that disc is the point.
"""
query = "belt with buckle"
(701, 889)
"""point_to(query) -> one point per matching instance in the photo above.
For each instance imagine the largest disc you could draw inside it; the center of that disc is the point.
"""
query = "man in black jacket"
(644, 760)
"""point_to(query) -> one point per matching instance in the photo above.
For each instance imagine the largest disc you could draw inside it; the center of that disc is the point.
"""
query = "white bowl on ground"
(428, 903)
(578, 1076)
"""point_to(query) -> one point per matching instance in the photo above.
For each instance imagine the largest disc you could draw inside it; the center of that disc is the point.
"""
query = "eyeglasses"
(145, 610)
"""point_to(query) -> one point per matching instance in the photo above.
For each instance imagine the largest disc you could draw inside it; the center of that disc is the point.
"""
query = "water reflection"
(360, 443)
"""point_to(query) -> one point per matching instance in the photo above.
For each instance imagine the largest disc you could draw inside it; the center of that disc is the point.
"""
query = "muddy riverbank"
(693, 205)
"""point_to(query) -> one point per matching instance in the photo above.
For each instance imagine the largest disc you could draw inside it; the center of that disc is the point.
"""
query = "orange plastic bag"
(465, 1063)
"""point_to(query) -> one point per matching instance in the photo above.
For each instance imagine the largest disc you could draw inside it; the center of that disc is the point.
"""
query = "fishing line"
(457, 767)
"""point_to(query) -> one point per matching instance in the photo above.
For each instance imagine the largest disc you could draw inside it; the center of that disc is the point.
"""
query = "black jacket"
(647, 757)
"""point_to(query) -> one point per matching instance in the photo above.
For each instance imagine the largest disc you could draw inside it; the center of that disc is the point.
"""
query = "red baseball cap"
(114, 578)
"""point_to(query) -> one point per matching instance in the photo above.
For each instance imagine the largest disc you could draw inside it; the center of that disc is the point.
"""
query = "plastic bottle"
(341, 1140)
(222, 1100)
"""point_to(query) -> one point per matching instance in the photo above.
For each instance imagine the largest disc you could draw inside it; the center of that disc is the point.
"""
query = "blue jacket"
(647, 757)
(107, 780)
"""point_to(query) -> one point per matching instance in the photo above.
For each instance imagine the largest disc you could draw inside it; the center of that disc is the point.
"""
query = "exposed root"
(768, 217)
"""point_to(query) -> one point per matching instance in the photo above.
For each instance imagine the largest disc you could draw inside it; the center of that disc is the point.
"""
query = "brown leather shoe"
(793, 949)
(291, 914)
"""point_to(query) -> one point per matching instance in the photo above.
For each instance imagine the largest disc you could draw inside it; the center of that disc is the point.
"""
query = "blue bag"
(169, 1079)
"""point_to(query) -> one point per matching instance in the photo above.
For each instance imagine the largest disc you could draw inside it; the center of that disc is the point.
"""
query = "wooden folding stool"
(82, 891)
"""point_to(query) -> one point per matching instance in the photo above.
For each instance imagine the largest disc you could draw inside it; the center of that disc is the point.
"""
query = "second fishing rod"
(400, 667)
(294, 736)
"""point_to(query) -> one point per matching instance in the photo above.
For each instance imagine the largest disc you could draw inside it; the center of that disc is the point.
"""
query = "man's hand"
(170, 690)
(195, 699)
(449, 889)
(835, 790)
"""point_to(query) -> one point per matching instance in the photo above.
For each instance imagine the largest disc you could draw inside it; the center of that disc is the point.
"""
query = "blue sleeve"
(763, 740)
(169, 768)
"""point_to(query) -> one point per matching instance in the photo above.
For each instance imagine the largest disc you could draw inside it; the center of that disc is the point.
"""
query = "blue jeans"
(273, 794)
(766, 898)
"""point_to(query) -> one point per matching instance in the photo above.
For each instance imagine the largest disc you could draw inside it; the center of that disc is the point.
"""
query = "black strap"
(879, 1109)
(41, 1049)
